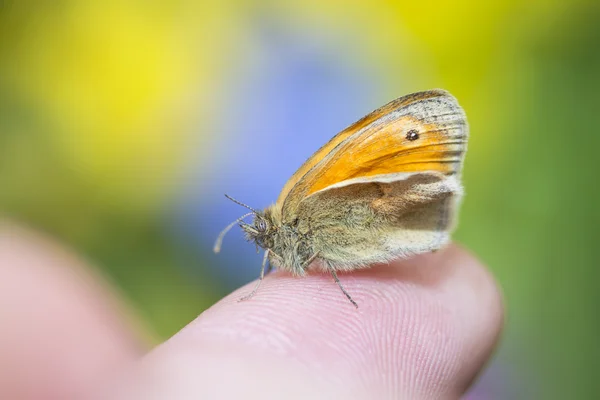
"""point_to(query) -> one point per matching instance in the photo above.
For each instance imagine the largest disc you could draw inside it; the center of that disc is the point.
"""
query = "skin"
(425, 329)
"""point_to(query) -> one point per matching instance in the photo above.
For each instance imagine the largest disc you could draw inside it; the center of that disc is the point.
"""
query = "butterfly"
(387, 187)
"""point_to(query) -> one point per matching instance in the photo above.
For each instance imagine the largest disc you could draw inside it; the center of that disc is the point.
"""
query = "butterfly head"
(261, 231)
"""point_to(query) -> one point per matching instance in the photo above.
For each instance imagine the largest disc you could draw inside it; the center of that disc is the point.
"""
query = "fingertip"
(423, 326)
(62, 329)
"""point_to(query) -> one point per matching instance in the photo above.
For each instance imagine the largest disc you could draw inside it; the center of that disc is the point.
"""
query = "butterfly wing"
(358, 224)
(385, 187)
(354, 129)
(421, 132)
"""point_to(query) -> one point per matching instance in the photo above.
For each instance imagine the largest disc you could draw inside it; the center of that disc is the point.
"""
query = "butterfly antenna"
(241, 204)
(219, 241)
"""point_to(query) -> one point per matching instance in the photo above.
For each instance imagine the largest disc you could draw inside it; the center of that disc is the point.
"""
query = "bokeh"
(122, 123)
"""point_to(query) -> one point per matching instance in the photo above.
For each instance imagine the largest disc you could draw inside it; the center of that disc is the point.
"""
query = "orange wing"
(425, 131)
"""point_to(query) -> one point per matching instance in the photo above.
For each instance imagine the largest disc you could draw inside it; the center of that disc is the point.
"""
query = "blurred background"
(122, 123)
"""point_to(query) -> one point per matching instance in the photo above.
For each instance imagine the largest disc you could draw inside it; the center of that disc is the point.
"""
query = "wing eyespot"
(412, 135)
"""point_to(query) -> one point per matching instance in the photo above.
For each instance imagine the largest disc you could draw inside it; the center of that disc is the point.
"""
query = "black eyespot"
(413, 134)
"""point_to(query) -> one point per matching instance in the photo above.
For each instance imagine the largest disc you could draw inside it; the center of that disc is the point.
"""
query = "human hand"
(424, 329)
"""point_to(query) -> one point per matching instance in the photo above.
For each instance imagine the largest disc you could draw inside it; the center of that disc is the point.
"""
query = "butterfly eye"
(412, 135)
(261, 225)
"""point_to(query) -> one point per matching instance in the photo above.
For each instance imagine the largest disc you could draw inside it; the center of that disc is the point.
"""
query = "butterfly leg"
(310, 260)
(270, 266)
(260, 279)
(332, 270)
